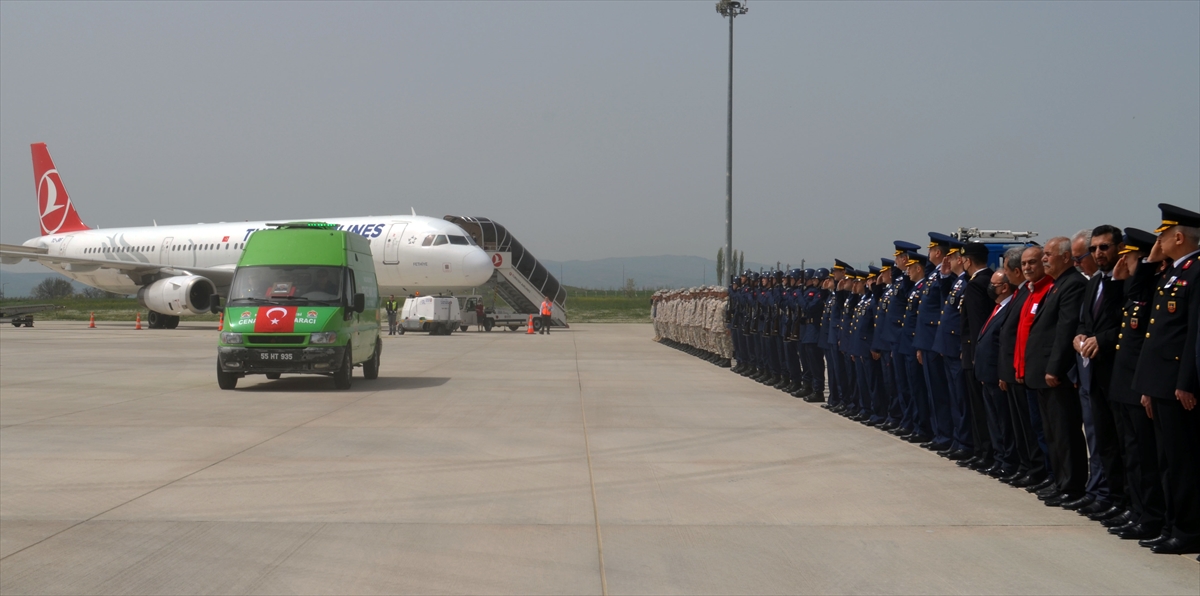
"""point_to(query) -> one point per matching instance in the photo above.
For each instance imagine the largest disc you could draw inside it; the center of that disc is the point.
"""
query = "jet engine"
(174, 296)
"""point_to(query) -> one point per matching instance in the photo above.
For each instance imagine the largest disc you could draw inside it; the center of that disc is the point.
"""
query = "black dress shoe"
(1138, 532)
(981, 465)
(957, 455)
(1116, 530)
(1082, 501)
(966, 463)
(1060, 500)
(1094, 507)
(1025, 481)
(1175, 546)
(1040, 486)
(998, 471)
(1046, 493)
(918, 439)
(815, 397)
(1116, 519)
(1152, 542)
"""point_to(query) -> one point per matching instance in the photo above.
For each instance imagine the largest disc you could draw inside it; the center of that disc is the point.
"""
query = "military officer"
(1166, 377)
(922, 415)
(932, 363)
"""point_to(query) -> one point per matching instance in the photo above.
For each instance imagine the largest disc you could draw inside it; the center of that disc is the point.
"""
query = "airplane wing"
(221, 275)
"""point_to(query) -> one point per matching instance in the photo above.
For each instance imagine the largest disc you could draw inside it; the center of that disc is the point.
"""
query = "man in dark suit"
(987, 374)
(977, 307)
(1167, 377)
(1022, 403)
(1095, 345)
(1049, 367)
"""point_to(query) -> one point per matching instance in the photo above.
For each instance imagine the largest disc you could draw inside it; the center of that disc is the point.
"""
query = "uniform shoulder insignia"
(1188, 264)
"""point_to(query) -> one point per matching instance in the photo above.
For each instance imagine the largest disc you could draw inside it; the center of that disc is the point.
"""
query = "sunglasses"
(1099, 247)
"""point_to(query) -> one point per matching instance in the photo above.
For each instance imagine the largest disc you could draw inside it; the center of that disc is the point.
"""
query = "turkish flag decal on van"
(275, 319)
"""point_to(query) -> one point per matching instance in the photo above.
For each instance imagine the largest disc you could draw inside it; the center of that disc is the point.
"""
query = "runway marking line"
(587, 447)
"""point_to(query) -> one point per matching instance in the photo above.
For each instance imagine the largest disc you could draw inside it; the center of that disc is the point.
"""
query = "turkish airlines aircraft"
(174, 270)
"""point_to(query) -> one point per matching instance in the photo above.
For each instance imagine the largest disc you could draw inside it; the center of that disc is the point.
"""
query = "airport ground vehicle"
(23, 315)
(492, 317)
(439, 315)
(304, 299)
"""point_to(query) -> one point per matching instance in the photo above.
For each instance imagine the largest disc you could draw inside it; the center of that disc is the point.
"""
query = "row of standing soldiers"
(693, 320)
(1081, 391)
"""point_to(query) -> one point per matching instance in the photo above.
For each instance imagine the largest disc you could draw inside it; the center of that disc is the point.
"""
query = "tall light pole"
(731, 9)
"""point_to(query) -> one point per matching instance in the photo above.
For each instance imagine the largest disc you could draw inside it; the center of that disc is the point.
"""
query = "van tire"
(464, 328)
(488, 324)
(447, 329)
(371, 367)
(273, 376)
(513, 327)
(343, 376)
(226, 380)
(537, 324)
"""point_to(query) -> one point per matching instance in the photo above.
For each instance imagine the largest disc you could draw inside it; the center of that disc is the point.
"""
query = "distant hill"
(666, 271)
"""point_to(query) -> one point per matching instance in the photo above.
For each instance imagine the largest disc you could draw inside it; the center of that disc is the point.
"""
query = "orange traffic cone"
(529, 328)
(139, 321)
(221, 322)
(92, 321)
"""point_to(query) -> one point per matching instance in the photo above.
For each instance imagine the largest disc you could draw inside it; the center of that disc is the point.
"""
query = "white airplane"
(174, 270)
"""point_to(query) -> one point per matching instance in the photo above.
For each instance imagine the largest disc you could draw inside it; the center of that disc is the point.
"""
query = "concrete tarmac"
(588, 461)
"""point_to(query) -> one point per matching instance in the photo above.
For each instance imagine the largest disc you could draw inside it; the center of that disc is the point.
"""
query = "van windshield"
(287, 284)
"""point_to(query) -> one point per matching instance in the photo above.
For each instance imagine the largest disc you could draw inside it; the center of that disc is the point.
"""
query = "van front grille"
(294, 340)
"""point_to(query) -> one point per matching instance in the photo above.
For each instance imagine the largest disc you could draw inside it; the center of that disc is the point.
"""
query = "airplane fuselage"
(412, 253)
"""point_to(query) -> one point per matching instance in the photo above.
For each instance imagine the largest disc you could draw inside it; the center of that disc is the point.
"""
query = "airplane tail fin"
(55, 211)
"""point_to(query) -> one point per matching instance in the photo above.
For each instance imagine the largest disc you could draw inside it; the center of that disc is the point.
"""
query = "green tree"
(53, 287)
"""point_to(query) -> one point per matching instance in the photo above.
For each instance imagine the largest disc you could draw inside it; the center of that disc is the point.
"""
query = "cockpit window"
(440, 240)
(428, 241)
(459, 240)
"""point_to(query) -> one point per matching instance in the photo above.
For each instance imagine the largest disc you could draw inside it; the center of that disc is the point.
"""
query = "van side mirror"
(360, 302)
(214, 304)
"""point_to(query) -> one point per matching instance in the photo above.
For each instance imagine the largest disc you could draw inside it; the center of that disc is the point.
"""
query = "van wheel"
(371, 367)
(400, 331)
(342, 378)
(488, 324)
(513, 327)
(464, 328)
(447, 329)
(273, 376)
(226, 380)
(537, 324)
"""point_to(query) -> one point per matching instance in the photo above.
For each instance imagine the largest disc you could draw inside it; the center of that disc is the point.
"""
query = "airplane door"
(164, 253)
(62, 246)
(391, 246)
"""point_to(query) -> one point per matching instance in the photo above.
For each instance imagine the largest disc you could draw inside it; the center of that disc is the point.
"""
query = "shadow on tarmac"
(319, 384)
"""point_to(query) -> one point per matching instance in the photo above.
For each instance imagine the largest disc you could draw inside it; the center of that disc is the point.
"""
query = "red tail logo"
(54, 205)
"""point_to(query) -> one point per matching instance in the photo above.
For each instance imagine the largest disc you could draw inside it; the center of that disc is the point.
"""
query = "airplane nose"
(477, 266)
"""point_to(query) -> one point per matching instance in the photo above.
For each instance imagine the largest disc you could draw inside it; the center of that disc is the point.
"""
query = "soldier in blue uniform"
(934, 367)
(812, 305)
(842, 316)
(884, 343)
(901, 286)
(829, 328)
(870, 371)
(948, 342)
(922, 407)
(790, 331)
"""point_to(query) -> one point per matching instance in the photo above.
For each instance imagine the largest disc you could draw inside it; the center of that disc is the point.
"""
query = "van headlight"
(325, 337)
(231, 338)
